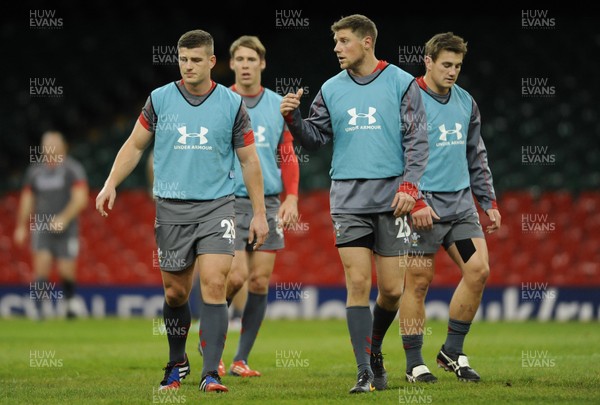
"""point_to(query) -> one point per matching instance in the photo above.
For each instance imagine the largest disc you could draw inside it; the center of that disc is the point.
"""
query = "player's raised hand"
(107, 193)
(290, 102)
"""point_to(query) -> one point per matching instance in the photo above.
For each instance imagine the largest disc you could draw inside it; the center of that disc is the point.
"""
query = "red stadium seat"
(515, 202)
(588, 201)
(555, 201)
(119, 249)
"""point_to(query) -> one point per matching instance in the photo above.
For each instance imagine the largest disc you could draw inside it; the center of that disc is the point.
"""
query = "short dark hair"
(445, 41)
(197, 39)
(359, 24)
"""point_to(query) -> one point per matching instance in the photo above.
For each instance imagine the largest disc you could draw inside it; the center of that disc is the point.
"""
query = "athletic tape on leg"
(465, 248)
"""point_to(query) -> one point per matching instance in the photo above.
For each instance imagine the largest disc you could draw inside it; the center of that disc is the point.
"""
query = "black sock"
(382, 319)
(69, 289)
(41, 285)
(177, 323)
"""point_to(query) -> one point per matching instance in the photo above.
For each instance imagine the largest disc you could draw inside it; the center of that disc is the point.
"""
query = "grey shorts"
(443, 234)
(384, 227)
(179, 244)
(243, 216)
(61, 245)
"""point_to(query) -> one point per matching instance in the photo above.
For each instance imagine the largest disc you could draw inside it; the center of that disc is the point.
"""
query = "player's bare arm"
(127, 159)
(253, 179)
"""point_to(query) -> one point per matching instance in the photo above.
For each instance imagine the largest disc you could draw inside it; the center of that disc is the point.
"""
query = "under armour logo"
(260, 134)
(184, 135)
(354, 116)
(445, 132)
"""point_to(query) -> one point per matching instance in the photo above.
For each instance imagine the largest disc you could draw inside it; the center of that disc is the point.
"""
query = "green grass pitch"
(119, 361)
